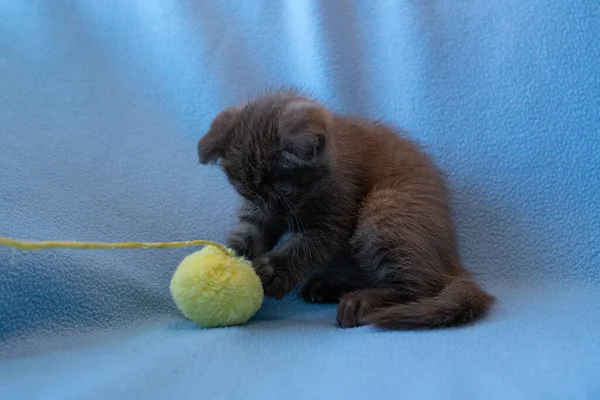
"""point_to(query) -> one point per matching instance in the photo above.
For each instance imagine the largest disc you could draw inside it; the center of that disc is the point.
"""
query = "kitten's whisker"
(290, 206)
(260, 197)
(287, 203)
(300, 222)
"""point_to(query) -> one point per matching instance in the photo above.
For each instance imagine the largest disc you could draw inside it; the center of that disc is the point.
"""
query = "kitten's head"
(275, 150)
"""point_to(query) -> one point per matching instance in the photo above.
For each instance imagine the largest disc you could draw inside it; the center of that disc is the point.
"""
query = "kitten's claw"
(263, 268)
(245, 244)
(240, 248)
(351, 309)
(320, 290)
(275, 283)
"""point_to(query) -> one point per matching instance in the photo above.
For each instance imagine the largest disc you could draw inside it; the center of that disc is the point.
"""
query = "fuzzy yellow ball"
(215, 289)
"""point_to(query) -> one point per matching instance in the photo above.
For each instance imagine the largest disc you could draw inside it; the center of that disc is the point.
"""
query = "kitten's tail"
(461, 302)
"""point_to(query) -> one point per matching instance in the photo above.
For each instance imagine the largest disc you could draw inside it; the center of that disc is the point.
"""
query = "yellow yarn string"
(33, 245)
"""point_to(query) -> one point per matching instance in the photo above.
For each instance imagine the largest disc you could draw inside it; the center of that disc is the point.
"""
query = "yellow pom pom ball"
(215, 289)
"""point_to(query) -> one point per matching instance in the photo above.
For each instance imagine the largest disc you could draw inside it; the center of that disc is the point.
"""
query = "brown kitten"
(341, 186)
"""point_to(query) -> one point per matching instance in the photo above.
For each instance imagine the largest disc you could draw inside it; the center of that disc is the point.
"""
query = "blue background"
(101, 105)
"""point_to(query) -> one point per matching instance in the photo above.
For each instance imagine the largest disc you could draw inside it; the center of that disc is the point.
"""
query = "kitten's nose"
(269, 210)
(263, 205)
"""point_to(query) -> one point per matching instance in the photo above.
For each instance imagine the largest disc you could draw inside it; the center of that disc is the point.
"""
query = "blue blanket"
(101, 105)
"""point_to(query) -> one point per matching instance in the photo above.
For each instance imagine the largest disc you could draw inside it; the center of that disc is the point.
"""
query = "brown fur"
(338, 186)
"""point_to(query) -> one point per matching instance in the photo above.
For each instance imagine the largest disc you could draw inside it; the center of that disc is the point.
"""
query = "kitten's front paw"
(319, 289)
(243, 246)
(275, 282)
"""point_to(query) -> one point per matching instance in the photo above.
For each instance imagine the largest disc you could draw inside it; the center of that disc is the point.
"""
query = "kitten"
(342, 186)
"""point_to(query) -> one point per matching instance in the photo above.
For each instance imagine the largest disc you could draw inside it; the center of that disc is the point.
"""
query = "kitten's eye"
(286, 190)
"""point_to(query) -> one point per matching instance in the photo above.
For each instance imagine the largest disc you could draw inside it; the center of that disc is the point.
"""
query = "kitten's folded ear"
(304, 128)
(212, 145)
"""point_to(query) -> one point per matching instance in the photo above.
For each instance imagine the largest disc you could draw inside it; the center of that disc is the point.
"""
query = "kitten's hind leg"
(405, 240)
(397, 242)
(355, 306)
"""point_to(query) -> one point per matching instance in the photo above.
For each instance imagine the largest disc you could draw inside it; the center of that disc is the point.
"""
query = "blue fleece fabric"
(101, 105)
